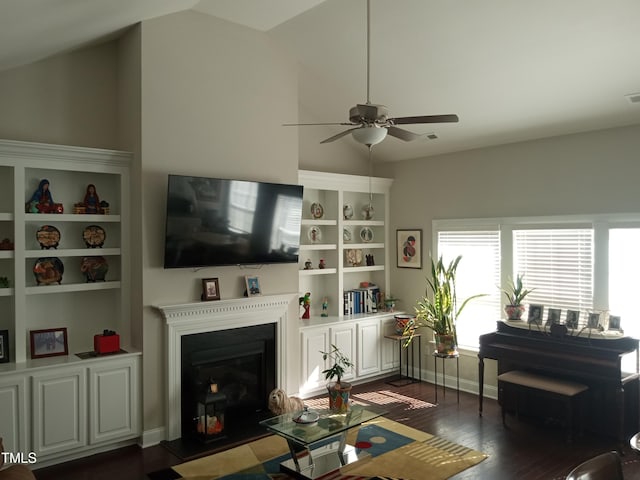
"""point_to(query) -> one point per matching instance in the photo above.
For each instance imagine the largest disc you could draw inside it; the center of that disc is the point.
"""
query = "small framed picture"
(614, 322)
(4, 346)
(553, 316)
(49, 342)
(210, 289)
(253, 285)
(594, 320)
(535, 314)
(573, 316)
(409, 248)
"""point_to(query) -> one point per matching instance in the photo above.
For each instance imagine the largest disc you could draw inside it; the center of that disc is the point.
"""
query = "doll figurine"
(305, 302)
(42, 200)
(91, 200)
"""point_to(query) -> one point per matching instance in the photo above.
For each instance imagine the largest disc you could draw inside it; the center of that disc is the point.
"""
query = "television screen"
(213, 221)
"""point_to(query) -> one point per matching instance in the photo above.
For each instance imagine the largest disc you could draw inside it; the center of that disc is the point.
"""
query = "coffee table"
(313, 452)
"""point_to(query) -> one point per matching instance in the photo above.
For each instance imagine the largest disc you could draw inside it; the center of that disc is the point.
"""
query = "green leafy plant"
(439, 309)
(515, 291)
(340, 364)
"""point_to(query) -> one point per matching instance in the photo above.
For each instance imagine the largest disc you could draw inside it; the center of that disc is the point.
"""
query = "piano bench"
(515, 383)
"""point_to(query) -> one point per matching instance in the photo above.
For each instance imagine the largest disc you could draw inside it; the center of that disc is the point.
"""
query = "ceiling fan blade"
(340, 135)
(425, 119)
(305, 124)
(402, 134)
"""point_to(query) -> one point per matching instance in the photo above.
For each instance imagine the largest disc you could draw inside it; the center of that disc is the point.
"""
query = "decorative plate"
(367, 212)
(346, 234)
(306, 417)
(48, 270)
(94, 236)
(316, 210)
(366, 234)
(314, 234)
(94, 268)
(347, 211)
(48, 236)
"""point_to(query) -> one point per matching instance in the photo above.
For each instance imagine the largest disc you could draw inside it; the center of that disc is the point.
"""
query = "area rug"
(396, 452)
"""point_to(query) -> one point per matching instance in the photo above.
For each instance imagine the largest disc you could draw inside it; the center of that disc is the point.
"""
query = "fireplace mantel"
(200, 317)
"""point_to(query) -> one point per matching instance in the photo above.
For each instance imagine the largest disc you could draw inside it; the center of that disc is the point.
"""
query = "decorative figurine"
(91, 201)
(369, 260)
(6, 244)
(4, 282)
(321, 265)
(325, 307)
(305, 302)
(42, 200)
(307, 265)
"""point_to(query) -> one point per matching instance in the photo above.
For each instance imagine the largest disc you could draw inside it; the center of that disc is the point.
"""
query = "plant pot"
(402, 321)
(514, 312)
(446, 344)
(339, 396)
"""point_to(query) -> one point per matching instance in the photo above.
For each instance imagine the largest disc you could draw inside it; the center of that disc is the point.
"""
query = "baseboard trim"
(152, 437)
(82, 453)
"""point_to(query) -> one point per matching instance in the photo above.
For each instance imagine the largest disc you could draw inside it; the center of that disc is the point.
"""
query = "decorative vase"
(402, 321)
(339, 396)
(514, 312)
(446, 344)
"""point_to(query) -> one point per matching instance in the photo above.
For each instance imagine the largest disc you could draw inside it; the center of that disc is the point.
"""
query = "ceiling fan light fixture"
(369, 135)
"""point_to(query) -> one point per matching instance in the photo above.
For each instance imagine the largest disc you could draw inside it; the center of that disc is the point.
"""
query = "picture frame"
(553, 316)
(210, 289)
(535, 314)
(4, 346)
(252, 283)
(594, 320)
(614, 323)
(572, 319)
(409, 248)
(49, 342)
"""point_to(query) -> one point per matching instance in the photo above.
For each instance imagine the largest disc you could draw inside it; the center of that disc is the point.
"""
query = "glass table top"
(329, 423)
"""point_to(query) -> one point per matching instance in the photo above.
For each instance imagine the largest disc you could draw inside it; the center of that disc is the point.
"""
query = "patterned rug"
(395, 452)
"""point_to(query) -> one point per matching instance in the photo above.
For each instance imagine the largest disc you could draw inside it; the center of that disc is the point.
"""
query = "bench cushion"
(544, 383)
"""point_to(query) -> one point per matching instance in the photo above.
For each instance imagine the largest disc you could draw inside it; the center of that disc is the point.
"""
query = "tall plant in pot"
(338, 390)
(515, 293)
(439, 308)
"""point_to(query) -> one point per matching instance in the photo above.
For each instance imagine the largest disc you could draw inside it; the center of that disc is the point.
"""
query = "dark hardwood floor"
(526, 450)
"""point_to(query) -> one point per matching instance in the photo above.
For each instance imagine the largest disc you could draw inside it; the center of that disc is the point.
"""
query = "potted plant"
(338, 390)
(515, 293)
(439, 308)
(390, 303)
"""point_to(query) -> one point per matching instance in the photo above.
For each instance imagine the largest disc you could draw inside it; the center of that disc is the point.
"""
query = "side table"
(406, 380)
(445, 356)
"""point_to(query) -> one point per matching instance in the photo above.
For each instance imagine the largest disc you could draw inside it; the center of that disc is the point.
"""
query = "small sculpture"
(321, 265)
(307, 265)
(280, 403)
(91, 201)
(42, 200)
(325, 307)
(305, 302)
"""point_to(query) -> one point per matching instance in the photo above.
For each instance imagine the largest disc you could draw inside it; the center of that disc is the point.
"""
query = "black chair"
(606, 466)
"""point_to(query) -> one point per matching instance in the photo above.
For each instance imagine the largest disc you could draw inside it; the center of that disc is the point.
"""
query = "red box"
(106, 343)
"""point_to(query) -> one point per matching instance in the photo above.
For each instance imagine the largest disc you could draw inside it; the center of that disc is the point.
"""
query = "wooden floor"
(523, 451)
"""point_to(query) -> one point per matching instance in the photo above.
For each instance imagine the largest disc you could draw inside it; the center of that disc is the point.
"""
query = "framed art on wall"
(49, 342)
(4, 346)
(409, 248)
(210, 289)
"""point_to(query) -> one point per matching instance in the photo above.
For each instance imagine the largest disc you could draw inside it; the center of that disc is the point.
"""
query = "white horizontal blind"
(478, 273)
(558, 264)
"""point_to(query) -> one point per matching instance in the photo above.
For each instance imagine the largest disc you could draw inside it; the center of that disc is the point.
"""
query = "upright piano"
(593, 359)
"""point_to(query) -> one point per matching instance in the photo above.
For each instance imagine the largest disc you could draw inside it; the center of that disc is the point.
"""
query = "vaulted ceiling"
(511, 69)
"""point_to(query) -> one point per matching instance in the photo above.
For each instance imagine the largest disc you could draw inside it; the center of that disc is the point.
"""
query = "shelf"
(6, 292)
(314, 221)
(363, 223)
(351, 246)
(72, 252)
(72, 287)
(317, 271)
(372, 268)
(70, 217)
(318, 246)
(7, 254)
(6, 217)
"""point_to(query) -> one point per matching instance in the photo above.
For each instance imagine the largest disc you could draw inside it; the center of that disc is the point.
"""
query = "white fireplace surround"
(201, 317)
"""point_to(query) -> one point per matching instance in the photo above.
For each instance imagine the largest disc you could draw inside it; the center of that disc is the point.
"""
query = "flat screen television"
(215, 221)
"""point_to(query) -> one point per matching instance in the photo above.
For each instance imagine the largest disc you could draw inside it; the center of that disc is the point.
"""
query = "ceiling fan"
(371, 122)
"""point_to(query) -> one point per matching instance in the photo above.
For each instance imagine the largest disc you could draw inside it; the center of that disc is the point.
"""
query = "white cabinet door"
(368, 333)
(344, 337)
(13, 414)
(59, 410)
(314, 341)
(113, 408)
(390, 348)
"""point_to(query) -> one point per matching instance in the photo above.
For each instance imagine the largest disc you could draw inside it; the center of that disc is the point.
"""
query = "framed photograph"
(535, 314)
(4, 346)
(553, 316)
(409, 248)
(210, 289)
(253, 285)
(49, 342)
(614, 322)
(594, 320)
(573, 316)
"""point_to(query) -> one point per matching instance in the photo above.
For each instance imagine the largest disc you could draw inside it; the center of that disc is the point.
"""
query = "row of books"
(361, 300)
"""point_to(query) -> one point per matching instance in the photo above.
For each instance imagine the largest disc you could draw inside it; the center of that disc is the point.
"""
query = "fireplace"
(219, 321)
(230, 372)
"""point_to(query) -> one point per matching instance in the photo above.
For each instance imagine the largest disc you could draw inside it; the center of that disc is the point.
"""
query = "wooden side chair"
(606, 466)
